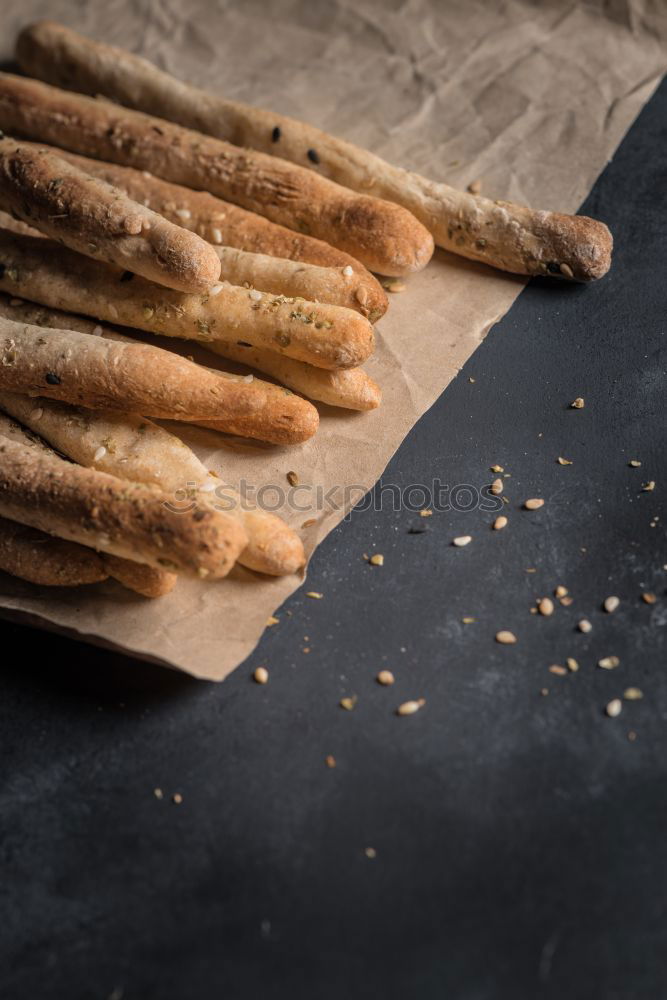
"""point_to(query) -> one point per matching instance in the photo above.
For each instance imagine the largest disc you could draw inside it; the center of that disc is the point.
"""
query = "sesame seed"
(584, 625)
(376, 560)
(410, 707)
(348, 270)
(608, 662)
(261, 675)
(99, 454)
(426, 512)
(577, 404)
(462, 540)
(385, 677)
(614, 708)
(648, 597)
(497, 468)
(572, 664)
(533, 504)
(558, 670)
(500, 523)
(158, 793)
(348, 703)
(370, 852)
(560, 591)
(216, 235)
(563, 461)
(37, 414)
(566, 600)
(566, 270)
(633, 694)
(177, 798)
(610, 604)
(648, 487)
(184, 213)
(395, 286)
(330, 760)
(496, 487)
(634, 463)
(468, 620)
(272, 620)
(505, 638)
(248, 378)
(292, 479)
(315, 595)
(545, 606)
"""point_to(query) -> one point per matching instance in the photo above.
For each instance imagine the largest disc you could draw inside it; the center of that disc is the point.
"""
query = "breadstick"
(111, 515)
(134, 448)
(500, 233)
(351, 389)
(52, 562)
(324, 335)
(382, 235)
(226, 225)
(65, 563)
(104, 374)
(98, 220)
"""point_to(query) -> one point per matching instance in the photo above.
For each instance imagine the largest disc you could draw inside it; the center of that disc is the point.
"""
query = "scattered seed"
(410, 707)
(497, 468)
(468, 621)
(330, 760)
(461, 541)
(272, 620)
(348, 271)
(566, 270)
(558, 670)
(316, 596)
(609, 662)
(633, 694)
(475, 187)
(584, 625)
(533, 504)
(566, 601)
(500, 523)
(426, 512)
(496, 487)
(531, 569)
(632, 735)
(177, 798)
(634, 463)
(348, 703)
(648, 597)
(544, 692)
(377, 559)
(572, 664)
(158, 793)
(648, 487)
(563, 461)
(610, 604)
(292, 479)
(614, 708)
(99, 454)
(395, 286)
(261, 675)
(545, 606)
(471, 380)
(560, 591)
(370, 852)
(385, 677)
(577, 404)
(505, 638)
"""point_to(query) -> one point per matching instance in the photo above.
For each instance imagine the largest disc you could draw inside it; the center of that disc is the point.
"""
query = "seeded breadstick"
(52, 562)
(229, 226)
(327, 336)
(351, 389)
(511, 237)
(98, 220)
(383, 236)
(134, 448)
(111, 515)
(104, 374)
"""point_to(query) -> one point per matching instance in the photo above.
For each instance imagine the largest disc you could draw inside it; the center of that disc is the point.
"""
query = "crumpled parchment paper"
(531, 97)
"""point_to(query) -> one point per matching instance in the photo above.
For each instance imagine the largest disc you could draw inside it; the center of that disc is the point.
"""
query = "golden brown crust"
(137, 449)
(51, 562)
(125, 519)
(511, 237)
(229, 226)
(89, 215)
(130, 377)
(324, 335)
(382, 235)
(142, 579)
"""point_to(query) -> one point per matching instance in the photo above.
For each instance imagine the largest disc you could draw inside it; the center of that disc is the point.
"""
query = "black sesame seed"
(275, 135)
(126, 276)
(313, 156)
(52, 378)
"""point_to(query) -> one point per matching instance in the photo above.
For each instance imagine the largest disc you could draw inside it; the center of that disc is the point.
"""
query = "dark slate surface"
(520, 838)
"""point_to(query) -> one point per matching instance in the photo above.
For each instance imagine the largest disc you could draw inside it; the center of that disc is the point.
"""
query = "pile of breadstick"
(161, 208)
